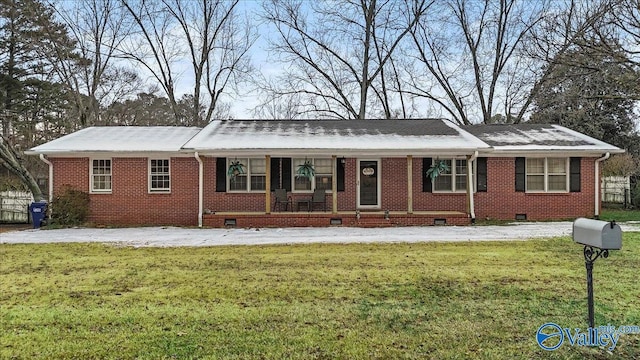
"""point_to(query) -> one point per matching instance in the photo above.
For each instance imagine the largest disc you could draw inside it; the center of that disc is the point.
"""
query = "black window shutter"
(426, 180)
(221, 174)
(286, 173)
(520, 174)
(340, 175)
(481, 179)
(574, 174)
(275, 173)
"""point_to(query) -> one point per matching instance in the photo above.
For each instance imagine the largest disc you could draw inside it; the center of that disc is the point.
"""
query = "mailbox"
(598, 234)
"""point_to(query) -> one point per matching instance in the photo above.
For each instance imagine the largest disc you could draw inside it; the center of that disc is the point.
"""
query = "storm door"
(369, 184)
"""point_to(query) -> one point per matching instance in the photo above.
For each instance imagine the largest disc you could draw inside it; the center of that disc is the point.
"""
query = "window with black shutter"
(574, 174)
(426, 180)
(481, 179)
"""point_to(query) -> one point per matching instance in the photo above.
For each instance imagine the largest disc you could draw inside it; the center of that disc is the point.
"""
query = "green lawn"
(434, 300)
(620, 215)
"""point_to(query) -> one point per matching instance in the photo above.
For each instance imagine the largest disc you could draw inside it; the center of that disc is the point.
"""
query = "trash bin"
(38, 211)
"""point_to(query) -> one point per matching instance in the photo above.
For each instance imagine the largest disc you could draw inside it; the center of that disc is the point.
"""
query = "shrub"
(70, 208)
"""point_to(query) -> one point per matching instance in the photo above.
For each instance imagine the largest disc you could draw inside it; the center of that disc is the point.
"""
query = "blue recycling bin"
(38, 211)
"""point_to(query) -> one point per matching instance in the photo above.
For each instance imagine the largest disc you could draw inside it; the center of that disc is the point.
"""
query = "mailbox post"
(598, 237)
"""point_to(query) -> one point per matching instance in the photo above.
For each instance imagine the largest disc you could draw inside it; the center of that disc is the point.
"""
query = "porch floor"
(341, 218)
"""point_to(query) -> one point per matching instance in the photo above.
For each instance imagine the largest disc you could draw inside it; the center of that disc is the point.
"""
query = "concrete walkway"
(173, 236)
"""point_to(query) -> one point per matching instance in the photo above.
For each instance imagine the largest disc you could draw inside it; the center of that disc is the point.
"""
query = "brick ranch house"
(374, 172)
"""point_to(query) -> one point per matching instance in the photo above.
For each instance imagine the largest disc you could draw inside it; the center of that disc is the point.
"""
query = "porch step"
(374, 222)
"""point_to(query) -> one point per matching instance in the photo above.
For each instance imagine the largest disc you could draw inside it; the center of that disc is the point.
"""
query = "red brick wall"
(501, 201)
(394, 184)
(130, 203)
(224, 201)
(347, 198)
(428, 201)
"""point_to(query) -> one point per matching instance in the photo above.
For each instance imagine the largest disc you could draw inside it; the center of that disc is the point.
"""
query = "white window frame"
(247, 163)
(153, 190)
(453, 175)
(546, 176)
(92, 189)
(313, 181)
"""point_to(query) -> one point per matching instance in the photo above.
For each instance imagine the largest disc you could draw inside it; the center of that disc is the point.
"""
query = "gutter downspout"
(200, 189)
(46, 161)
(470, 192)
(597, 177)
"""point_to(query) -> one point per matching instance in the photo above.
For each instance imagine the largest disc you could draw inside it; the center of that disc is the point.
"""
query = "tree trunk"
(9, 158)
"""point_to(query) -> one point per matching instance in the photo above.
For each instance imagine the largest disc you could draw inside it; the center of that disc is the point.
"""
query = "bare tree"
(336, 52)
(483, 60)
(98, 27)
(621, 29)
(470, 50)
(569, 26)
(213, 35)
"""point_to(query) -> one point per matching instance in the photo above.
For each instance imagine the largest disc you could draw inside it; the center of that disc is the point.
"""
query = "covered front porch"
(370, 173)
(369, 192)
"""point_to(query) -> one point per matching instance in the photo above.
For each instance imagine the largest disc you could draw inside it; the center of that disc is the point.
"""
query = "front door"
(368, 184)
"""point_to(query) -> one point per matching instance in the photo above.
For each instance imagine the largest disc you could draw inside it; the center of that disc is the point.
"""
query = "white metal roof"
(120, 139)
(538, 138)
(402, 136)
(337, 137)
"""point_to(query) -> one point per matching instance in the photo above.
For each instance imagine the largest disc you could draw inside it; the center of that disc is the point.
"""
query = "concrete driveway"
(174, 236)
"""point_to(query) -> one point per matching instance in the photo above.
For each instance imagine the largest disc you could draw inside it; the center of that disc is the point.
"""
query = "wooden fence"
(14, 206)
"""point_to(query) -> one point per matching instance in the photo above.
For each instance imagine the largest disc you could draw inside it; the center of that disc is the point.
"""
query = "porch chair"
(282, 199)
(319, 198)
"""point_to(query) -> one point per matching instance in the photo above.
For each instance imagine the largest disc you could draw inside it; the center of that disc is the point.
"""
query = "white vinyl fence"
(14, 206)
(616, 189)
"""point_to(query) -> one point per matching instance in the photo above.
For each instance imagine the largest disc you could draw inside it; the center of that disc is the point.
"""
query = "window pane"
(535, 182)
(323, 182)
(160, 182)
(160, 166)
(257, 166)
(461, 182)
(160, 179)
(101, 174)
(556, 166)
(302, 183)
(322, 166)
(557, 183)
(448, 163)
(239, 183)
(461, 167)
(258, 182)
(296, 163)
(535, 166)
(442, 183)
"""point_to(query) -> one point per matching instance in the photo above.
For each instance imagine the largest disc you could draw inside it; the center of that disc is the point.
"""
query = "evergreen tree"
(30, 96)
(593, 92)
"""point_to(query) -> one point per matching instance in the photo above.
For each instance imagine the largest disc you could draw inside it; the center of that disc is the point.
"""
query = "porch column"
(470, 204)
(409, 184)
(200, 188)
(334, 185)
(267, 190)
